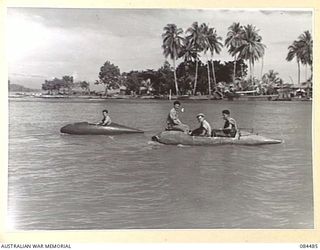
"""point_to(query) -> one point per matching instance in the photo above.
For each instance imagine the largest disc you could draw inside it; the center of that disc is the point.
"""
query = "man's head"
(225, 114)
(200, 117)
(105, 112)
(176, 105)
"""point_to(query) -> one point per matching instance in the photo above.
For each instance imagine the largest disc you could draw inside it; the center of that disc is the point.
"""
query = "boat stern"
(259, 140)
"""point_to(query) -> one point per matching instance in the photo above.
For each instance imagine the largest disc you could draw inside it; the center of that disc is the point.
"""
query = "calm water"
(59, 181)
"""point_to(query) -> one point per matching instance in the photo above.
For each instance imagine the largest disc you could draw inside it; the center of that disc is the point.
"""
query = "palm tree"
(271, 77)
(252, 49)
(172, 43)
(190, 55)
(188, 52)
(305, 42)
(301, 49)
(295, 52)
(206, 46)
(214, 45)
(196, 39)
(234, 41)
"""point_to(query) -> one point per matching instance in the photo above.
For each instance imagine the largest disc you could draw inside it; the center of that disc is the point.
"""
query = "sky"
(43, 43)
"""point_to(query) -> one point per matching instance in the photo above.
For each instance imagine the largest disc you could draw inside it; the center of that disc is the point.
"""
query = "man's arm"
(107, 121)
(207, 128)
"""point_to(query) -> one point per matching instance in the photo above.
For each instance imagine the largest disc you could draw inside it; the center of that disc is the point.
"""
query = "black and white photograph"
(159, 118)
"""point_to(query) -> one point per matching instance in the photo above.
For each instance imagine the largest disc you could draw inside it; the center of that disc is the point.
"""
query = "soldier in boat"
(230, 127)
(204, 129)
(106, 120)
(173, 121)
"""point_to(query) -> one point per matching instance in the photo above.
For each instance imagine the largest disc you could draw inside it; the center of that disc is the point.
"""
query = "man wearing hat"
(204, 129)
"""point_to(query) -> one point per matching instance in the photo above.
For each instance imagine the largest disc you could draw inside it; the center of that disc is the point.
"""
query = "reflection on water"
(59, 181)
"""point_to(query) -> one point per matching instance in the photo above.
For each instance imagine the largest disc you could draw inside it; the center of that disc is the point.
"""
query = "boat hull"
(85, 128)
(176, 137)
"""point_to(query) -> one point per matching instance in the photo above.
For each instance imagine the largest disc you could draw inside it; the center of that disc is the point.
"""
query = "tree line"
(64, 85)
(243, 43)
(192, 75)
(161, 81)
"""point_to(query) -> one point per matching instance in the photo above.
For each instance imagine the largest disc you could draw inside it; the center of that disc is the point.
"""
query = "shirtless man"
(230, 127)
(106, 120)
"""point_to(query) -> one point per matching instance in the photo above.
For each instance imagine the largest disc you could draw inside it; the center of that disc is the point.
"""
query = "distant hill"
(20, 88)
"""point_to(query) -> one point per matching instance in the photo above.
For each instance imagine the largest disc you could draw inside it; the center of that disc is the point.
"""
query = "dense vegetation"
(197, 72)
(64, 85)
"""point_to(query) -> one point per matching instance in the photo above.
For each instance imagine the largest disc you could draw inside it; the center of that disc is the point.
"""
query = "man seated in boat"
(173, 122)
(230, 128)
(106, 120)
(204, 129)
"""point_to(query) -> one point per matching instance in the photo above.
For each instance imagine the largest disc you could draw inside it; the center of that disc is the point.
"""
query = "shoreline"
(137, 99)
(23, 95)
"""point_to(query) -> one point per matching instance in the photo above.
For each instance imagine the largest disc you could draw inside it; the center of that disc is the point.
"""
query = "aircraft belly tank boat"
(177, 137)
(85, 128)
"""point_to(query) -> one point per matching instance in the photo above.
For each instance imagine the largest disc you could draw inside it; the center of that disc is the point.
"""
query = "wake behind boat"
(85, 128)
(178, 137)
